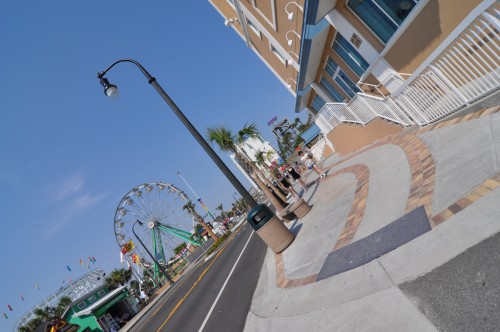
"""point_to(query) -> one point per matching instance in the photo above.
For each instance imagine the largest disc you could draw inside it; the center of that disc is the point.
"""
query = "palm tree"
(260, 159)
(221, 209)
(134, 286)
(64, 302)
(118, 277)
(224, 138)
(46, 314)
(189, 207)
(251, 131)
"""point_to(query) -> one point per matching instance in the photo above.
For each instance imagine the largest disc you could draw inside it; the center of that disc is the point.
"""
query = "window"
(341, 78)
(383, 17)
(317, 103)
(254, 28)
(331, 90)
(82, 305)
(350, 56)
(92, 298)
(278, 54)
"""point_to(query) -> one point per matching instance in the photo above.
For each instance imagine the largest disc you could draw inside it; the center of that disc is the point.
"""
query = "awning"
(108, 297)
(311, 133)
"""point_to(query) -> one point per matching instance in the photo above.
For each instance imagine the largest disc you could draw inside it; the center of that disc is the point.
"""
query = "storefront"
(102, 310)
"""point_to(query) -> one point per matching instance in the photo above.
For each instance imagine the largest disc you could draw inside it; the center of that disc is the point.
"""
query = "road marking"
(199, 279)
(223, 286)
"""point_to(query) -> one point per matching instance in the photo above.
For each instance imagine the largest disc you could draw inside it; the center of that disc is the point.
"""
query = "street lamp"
(111, 90)
(151, 255)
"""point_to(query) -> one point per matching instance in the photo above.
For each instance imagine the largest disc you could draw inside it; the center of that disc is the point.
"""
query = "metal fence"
(467, 70)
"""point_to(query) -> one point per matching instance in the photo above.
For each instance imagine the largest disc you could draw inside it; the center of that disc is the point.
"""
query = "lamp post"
(151, 255)
(112, 91)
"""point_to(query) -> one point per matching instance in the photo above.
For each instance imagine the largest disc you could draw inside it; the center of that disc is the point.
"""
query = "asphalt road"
(196, 303)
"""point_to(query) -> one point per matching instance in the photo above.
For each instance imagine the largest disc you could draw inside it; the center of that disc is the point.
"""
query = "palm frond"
(222, 136)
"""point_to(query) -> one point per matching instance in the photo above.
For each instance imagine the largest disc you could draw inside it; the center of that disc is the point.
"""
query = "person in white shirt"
(310, 164)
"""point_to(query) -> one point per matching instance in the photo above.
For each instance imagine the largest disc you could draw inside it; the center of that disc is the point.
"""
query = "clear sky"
(69, 154)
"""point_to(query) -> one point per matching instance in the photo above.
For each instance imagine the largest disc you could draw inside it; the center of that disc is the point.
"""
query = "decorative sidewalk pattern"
(423, 172)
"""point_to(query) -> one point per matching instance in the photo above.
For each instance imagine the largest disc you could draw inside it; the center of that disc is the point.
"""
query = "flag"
(69, 281)
(88, 266)
(69, 269)
(93, 259)
(22, 297)
(81, 262)
(121, 258)
(128, 247)
(8, 306)
(5, 316)
(135, 259)
(38, 288)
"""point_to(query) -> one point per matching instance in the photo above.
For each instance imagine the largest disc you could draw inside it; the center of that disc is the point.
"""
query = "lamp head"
(139, 222)
(110, 90)
(289, 86)
(227, 23)
(290, 42)
(290, 16)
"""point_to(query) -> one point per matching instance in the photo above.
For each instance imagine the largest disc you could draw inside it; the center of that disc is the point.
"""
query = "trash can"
(271, 230)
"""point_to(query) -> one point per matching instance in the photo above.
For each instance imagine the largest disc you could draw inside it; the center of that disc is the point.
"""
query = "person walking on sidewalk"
(283, 182)
(310, 164)
(296, 176)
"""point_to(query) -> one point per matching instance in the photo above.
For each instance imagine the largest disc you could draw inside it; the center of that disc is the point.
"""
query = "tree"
(47, 313)
(260, 159)
(221, 209)
(179, 248)
(118, 277)
(189, 207)
(134, 286)
(224, 138)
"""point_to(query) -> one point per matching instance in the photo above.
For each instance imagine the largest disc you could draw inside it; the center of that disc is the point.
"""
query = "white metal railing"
(464, 71)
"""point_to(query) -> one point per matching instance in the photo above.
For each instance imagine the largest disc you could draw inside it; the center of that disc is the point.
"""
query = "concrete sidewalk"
(444, 278)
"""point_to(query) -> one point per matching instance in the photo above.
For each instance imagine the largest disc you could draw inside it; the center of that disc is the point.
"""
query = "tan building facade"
(367, 68)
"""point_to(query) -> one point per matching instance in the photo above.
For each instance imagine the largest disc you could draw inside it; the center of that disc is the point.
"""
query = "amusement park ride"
(164, 221)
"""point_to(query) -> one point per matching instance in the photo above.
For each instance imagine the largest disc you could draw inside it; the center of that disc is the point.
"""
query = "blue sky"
(69, 154)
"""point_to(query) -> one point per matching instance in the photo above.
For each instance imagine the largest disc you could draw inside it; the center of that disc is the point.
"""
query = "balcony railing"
(467, 70)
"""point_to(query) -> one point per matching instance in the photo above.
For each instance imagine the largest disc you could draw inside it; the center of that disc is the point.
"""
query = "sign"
(273, 120)
(356, 40)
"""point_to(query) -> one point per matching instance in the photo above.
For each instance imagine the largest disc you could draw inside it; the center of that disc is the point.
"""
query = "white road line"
(223, 286)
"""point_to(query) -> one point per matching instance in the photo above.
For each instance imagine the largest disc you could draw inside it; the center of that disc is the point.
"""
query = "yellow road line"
(196, 283)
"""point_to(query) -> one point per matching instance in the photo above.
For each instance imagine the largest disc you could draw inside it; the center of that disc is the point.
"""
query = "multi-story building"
(367, 68)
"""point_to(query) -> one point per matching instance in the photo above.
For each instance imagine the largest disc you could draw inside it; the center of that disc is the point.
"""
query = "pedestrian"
(310, 164)
(287, 186)
(296, 176)
(144, 297)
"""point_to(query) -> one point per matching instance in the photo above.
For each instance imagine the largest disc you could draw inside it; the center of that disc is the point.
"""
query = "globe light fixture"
(110, 90)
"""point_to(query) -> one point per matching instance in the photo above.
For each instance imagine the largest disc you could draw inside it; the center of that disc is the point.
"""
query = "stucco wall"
(348, 138)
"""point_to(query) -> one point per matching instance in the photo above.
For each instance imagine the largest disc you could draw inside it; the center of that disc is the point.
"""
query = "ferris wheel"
(152, 220)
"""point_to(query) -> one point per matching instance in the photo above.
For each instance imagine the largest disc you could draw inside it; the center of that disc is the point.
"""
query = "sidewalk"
(403, 235)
